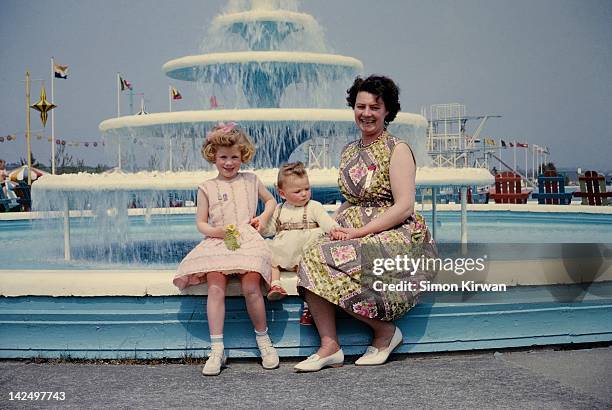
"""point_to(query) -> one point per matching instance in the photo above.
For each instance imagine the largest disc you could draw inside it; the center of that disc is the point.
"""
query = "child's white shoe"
(269, 357)
(215, 361)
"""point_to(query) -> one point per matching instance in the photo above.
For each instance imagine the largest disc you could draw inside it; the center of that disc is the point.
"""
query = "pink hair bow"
(221, 126)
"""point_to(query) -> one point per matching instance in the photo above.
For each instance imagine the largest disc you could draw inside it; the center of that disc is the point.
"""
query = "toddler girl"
(225, 215)
(296, 222)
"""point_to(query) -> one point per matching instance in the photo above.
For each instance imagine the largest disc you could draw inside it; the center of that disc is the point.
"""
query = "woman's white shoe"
(373, 356)
(315, 362)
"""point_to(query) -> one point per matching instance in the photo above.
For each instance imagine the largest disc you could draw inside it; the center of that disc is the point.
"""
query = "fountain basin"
(276, 132)
(211, 67)
(288, 115)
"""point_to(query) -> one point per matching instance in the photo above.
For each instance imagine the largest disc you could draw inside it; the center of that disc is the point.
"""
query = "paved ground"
(538, 379)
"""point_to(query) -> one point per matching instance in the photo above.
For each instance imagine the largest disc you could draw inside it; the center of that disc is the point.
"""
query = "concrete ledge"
(530, 207)
(56, 283)
(176, 326)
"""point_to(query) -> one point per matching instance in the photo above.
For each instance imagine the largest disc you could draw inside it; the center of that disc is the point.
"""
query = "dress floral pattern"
(334, 269)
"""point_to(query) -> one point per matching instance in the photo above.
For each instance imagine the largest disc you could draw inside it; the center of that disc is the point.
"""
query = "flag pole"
(118, 99)
(28, 127)
(52, 119)
(514, 168)
(170, 98)
(131, 101)
(533, 162)
(526, 169)
(118, 115)
(170, 139)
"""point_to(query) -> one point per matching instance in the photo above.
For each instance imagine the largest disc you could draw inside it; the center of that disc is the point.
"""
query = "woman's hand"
(336, 235)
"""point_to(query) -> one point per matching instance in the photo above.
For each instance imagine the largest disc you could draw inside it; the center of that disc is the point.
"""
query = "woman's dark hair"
(379, 86)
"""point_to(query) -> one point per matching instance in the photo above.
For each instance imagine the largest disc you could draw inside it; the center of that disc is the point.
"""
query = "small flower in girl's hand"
(231, 237)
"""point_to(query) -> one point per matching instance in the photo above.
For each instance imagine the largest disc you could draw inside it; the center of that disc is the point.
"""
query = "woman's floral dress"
(341, 271)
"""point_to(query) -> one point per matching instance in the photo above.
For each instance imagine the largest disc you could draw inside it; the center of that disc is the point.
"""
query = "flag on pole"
(522, 145)
(511, 144)
(490, 141)
(503, 144)
(125, 84)
(175, 94)
(60, 71)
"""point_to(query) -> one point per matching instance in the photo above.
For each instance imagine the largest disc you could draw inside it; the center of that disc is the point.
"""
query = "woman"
(377, 178)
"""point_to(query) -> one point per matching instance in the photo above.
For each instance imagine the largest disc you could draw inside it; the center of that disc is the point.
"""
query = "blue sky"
(545, 66)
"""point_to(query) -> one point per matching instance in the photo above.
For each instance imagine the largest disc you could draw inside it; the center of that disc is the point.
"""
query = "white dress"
(295, 227)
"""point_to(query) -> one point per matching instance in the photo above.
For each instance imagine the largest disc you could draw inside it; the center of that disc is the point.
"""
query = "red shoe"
(306, 318)
(276, 293)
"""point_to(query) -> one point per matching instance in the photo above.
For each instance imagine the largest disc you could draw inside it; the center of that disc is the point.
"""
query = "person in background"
(3, 177)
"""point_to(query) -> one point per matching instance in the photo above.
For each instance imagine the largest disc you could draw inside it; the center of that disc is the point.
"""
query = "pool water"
(161, 241)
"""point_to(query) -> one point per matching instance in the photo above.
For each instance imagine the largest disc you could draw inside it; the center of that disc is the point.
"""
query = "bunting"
(58, 141)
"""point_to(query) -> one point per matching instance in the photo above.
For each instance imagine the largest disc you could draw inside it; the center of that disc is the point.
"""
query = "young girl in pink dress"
(233, 245)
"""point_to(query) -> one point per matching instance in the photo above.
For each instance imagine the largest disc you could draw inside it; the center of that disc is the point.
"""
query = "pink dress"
(229, 202)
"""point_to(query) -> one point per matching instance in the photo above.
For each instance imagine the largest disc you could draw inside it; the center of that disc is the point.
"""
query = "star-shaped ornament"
(43, 106)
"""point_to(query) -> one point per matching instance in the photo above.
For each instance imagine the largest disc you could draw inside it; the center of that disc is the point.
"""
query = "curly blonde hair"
(223, 135)
(290, 169)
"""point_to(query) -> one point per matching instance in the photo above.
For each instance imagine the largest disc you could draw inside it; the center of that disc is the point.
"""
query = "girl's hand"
(255, 223)
(218, 232)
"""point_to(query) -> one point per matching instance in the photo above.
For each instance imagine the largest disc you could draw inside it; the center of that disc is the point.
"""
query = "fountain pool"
(26, 246)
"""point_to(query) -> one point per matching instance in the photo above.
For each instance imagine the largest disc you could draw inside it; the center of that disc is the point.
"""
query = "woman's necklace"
(362, 145)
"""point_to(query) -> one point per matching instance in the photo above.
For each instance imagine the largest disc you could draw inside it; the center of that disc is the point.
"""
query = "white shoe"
(373, 356)
(315, 362)
(269, 357)
(215, 361)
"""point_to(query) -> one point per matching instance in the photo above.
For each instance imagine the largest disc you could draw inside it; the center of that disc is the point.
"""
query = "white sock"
(261, 335)
(216, 342)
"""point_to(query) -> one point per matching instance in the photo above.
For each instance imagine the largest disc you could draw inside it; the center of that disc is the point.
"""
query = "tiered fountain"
(282, 98)
(278, 82)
